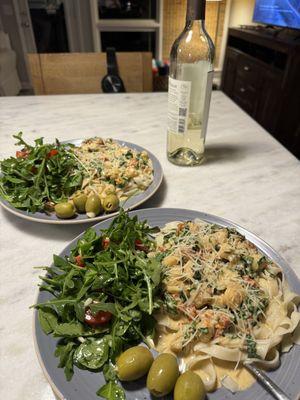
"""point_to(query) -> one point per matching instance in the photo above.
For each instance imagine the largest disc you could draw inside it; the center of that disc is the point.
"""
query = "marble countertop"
(248, 177)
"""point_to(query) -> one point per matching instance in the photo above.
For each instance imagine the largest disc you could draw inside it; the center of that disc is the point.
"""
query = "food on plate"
(93, 205)
(189, 386)
(224, 303)
(162, 375)
(110, 202)
(96, 176)
(104, 294)
(79, 200)
(202, 295)
(134, 363)
(64, 210)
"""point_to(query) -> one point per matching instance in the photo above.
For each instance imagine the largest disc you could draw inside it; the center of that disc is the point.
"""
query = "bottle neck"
(195, 10)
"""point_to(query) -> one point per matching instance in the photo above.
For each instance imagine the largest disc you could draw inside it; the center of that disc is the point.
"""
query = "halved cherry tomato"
(100, 318)
(79, 261)
(22, 153)
(52, 153)
(105, 243)
(138, 244)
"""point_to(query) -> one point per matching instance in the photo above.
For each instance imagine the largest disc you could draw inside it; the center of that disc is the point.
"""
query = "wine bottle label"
(178, 105)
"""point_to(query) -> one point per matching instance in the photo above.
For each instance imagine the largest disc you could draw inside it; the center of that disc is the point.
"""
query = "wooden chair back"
(79, 73)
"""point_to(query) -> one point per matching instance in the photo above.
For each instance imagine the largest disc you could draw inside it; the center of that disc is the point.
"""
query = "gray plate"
(130, 204)
(85, 384)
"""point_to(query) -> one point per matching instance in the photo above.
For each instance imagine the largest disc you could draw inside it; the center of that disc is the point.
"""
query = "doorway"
(49, 26)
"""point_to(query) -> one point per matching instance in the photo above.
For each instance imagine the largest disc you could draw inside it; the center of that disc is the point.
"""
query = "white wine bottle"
(190, 86)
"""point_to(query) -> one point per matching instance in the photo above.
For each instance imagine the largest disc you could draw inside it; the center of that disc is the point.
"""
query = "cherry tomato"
(105, 243)
(22, 153)
(79, 261)
(52, 153)
(100, 318)
(138, 244)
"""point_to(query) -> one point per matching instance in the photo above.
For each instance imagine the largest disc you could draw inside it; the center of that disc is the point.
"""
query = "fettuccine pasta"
(224, 304)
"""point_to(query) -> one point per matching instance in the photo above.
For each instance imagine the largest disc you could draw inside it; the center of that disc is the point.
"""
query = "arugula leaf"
(70, 329)
(103, 307)
(65, 352)
(79, 311)
(47, 319)
(61, 263)
(111, 391)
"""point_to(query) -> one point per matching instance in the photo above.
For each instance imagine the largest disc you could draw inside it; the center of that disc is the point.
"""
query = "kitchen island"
(248, 177)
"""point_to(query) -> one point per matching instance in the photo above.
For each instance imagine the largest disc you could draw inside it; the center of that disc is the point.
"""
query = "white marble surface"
(248, 177)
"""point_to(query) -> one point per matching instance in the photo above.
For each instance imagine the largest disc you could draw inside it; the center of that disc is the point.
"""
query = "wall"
(241, 12)
(174, 21)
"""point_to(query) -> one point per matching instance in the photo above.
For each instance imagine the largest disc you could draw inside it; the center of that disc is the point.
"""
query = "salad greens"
(107, 275)
(39, 175)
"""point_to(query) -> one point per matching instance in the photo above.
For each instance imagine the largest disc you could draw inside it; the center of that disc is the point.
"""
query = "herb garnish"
(251, 347)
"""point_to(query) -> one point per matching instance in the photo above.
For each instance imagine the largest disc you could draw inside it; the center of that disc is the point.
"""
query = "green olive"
(110, 202)
(189, 386)
(134, 363)
(93, 206)
(79, 201)
(162, 375)
(64, 210)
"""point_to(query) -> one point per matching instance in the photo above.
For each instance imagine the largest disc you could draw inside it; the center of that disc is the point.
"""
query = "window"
(128, 41)
(118, 9)
(127, 25)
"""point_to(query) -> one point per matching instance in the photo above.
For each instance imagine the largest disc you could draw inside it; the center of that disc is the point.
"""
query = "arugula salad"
(104, 296)
(92, 178)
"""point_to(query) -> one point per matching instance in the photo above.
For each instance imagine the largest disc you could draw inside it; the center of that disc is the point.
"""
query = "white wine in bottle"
(190, 86)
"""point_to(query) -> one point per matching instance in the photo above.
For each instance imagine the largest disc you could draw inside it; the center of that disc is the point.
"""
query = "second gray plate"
(85, 384)
(131, 203)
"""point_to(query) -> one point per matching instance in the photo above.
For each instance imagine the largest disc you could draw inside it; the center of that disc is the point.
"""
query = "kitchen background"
(259, 69)
(50, 26)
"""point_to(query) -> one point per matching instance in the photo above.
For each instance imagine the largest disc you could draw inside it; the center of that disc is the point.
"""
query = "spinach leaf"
(109, 372)
(111, 391)
(92, 354)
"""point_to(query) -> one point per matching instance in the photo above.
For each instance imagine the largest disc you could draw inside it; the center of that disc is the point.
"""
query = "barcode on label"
(182, 112)
(181, 125)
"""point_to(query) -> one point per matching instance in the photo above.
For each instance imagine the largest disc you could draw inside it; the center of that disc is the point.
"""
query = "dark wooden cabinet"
(262, 75)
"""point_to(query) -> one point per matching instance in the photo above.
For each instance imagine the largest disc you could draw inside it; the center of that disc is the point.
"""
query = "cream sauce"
(240, 375)
(211, 377)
